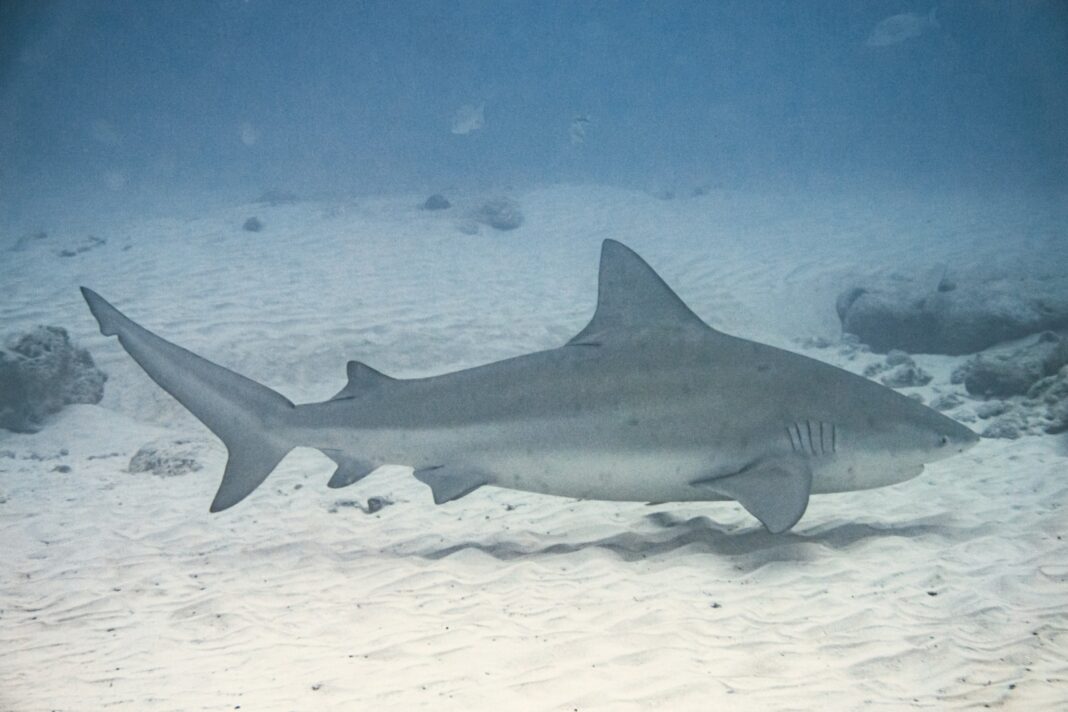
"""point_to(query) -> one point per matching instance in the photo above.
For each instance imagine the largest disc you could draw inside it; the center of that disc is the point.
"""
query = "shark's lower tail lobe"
(248, 417)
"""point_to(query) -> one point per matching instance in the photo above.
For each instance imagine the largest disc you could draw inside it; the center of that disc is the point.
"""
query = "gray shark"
(647, 403)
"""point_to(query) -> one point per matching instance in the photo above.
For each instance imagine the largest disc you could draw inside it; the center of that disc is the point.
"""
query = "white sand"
(120, 591)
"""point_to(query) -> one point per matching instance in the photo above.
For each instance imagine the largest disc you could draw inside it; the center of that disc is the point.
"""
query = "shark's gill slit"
(800, 440)
(811, 445)
(823, 448)
(834, 438)
(790, 435)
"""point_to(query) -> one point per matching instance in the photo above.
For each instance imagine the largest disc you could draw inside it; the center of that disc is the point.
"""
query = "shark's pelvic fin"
(631, 296)
(361, 379)
(449, 483)
(348, 470)
(248, 417)
(774, 491)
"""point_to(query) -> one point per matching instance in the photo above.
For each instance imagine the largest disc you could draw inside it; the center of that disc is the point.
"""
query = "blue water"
(105, 104)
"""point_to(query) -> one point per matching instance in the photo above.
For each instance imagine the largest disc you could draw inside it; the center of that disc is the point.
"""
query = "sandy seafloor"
(120, 591)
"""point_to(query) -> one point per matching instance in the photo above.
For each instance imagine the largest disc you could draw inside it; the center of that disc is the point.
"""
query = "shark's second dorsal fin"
(632, 296)
(361, 378)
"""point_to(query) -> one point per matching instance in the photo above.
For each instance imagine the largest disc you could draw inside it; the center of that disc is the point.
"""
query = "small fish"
(898, 28)
(468, 118)
(577, 132)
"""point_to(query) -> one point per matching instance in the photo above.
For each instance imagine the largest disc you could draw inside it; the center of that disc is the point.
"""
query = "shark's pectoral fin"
(774, 491)
(348, 470)
(449, 483)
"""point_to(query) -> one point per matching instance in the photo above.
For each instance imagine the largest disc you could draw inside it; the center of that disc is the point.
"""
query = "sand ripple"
(121, 591)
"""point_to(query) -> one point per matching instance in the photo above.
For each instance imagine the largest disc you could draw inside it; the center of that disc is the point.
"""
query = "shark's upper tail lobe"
(250, 419)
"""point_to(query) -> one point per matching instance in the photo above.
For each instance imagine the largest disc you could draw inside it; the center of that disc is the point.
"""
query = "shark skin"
(647, 403)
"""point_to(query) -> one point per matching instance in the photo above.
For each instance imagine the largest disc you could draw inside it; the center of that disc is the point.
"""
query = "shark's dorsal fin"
(631, 296)
(361, 378)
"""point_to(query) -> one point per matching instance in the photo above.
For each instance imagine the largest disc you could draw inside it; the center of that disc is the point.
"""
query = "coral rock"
(42, 371)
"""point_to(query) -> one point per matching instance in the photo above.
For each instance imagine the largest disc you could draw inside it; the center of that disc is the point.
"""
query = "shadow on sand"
(702, 535)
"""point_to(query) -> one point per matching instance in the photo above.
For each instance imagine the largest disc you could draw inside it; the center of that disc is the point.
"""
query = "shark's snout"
(955, 438)
(969, 439)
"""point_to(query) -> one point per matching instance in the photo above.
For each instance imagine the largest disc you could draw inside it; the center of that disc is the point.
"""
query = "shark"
(647, 403)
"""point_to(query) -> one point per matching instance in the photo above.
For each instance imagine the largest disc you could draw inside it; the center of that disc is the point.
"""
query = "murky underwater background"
(425, 187)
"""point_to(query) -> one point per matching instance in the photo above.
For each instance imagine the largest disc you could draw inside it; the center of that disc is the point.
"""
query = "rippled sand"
(120, 591)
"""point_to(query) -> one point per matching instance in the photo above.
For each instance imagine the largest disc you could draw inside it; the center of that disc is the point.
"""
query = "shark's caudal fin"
(249, 418)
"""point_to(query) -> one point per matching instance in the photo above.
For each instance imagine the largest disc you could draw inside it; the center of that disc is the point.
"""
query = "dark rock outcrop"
(898, 370)
(906, 376)
(1052, 392)
(437, 202)
(1009, 427)
(1027, 388)
(946, 401)
(953, 316)
(42, 371)
(1014, 374)
(166, 458)
(374, 504)
(500, 213)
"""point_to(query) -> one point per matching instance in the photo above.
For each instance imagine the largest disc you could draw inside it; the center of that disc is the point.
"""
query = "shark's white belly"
(589, 461)
(590, 474)
(666, 475)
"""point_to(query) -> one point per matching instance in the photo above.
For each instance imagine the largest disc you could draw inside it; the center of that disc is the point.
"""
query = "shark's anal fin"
(774, 491)
(348, 470)
(449, 483)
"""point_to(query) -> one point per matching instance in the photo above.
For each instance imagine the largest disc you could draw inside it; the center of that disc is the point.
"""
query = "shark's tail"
(249, 418)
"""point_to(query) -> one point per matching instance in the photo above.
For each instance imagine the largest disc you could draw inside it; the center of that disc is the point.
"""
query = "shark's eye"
(943, 441)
